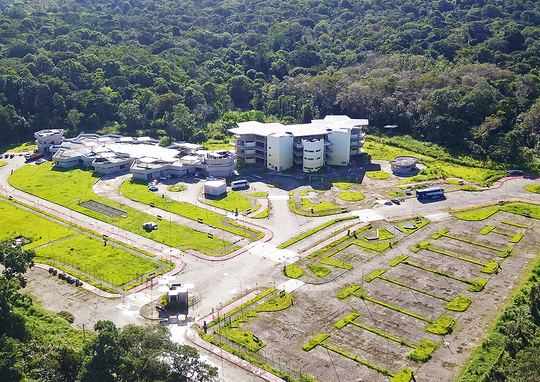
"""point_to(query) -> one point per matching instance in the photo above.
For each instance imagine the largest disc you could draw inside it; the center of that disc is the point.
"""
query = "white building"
(142, 156)
(307, 147)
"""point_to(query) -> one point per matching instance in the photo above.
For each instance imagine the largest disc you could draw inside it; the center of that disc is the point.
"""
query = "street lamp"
(241, 297)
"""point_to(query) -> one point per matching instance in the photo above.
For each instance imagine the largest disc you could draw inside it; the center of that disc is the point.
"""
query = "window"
(343, 162)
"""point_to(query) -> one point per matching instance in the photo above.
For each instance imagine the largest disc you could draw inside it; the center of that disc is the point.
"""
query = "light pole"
(241, 297)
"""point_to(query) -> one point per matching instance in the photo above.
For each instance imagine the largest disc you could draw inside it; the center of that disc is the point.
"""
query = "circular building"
(404, 165)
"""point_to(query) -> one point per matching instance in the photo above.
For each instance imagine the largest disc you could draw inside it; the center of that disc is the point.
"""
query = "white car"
(152, 188)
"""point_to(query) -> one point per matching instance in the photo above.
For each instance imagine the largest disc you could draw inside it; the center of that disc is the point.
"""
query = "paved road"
(220, 282)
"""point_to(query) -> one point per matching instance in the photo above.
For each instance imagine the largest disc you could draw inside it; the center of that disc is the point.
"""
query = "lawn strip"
(413, 288)
(314, 230)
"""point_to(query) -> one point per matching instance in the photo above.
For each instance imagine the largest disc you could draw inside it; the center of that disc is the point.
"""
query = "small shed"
(215, 187)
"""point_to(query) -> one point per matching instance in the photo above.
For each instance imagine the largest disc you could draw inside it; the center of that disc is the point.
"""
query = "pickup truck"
(32, 156)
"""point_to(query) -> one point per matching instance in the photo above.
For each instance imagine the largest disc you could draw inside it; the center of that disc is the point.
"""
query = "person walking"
(412, 377)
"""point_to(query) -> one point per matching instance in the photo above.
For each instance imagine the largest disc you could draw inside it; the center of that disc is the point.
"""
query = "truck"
(34, 155)
(430, 193)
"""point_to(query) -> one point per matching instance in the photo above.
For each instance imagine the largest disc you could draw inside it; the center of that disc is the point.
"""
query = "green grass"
(373, 275)
(315, 341)
(351, 196)
(514, 224)
(314, 230)
(378, 247)
(242, 338)
(523, 209)
(396, 193)
(278, 302)
(516, 238)
(490, 268)
(343, 185)
(470, 188)
(259, 194)
(318, 207)
(263, 214)
(110, 263)
(378, 175)
(64, 187)
(419, 246)
(215, 144)
(335, 263)
(398, 260)
(27, 146)
(477, 215)
(16, 222)
(241, 307)
(231, 202)
(403, 376)
(413, 288)
(487, 230)
(349, 291)
(409, 228)
(176, 188)
(478, 285)
(346, 320)
(459, 304)
(2, 163)
(442, 326)
(294, 271)
(319, 270)
(533, 188)
(423, 351)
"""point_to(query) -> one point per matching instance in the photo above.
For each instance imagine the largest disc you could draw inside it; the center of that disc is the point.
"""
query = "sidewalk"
(496, 184)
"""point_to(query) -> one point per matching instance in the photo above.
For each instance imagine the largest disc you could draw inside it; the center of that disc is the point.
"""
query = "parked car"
(41, 160)
(11, 156)
(152, 188)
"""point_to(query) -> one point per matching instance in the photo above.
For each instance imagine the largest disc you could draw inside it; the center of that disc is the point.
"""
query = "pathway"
(496, 184)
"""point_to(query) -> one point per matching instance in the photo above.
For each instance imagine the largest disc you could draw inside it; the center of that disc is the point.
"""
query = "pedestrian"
(348, 232)
(354, 233)
(412, 377)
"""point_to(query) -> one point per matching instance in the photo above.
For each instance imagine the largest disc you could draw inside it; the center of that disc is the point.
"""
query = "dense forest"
(36, 345)
(463, 74)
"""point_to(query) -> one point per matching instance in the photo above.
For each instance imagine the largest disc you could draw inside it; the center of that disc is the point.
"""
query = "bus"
(239, 184)
(430, 193)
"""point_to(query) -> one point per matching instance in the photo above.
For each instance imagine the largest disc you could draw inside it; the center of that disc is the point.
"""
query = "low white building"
(214, 187)
(307, 147)
(143, 156)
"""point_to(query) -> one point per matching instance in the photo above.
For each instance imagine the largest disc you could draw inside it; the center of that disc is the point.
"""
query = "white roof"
(316, 127)
(215, 183)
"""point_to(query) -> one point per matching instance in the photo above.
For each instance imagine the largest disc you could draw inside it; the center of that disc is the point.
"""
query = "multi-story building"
(307, 147)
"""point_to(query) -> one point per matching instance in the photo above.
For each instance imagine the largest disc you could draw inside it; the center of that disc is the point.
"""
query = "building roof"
(316, 127)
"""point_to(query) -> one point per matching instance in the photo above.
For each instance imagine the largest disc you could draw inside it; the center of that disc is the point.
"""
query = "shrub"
(66, 316)
(176, 188)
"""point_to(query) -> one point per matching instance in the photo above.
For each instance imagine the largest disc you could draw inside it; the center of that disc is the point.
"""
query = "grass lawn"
(16, 222)
(27, 146)
(214, 144)
(522, 209)
(396, 193)
(294, 271)
(476, 214)
(318, 207)
(138, 190)
(319, 270)
(351, 196)
(259, 193)
(109, 263)
(436, 168)
(231, 202)
(2, 163)
(378, 175)
(343, 185)
(533, 188)
(65, 186)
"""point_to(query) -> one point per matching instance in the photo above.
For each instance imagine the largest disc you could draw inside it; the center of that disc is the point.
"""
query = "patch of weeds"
(470, 188)
(349, 291)
(315, 341)
(507, 252)
(398, 260)
(439, 234)
(423, 351)
(378, 175)
(293, 271)
(404, 375)
(351, 196)
(374, 275)
(477, 286)
(487, 230)
(319, 270)
(442, 326)
(516, 238)
(420, 246)
(459, 304)
(346, 320)
(490, 268)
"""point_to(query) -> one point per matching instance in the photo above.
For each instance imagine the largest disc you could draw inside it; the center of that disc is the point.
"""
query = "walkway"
(264, 205)
(496, 184)
(332, 239)
(493, 203)
(179, 265)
